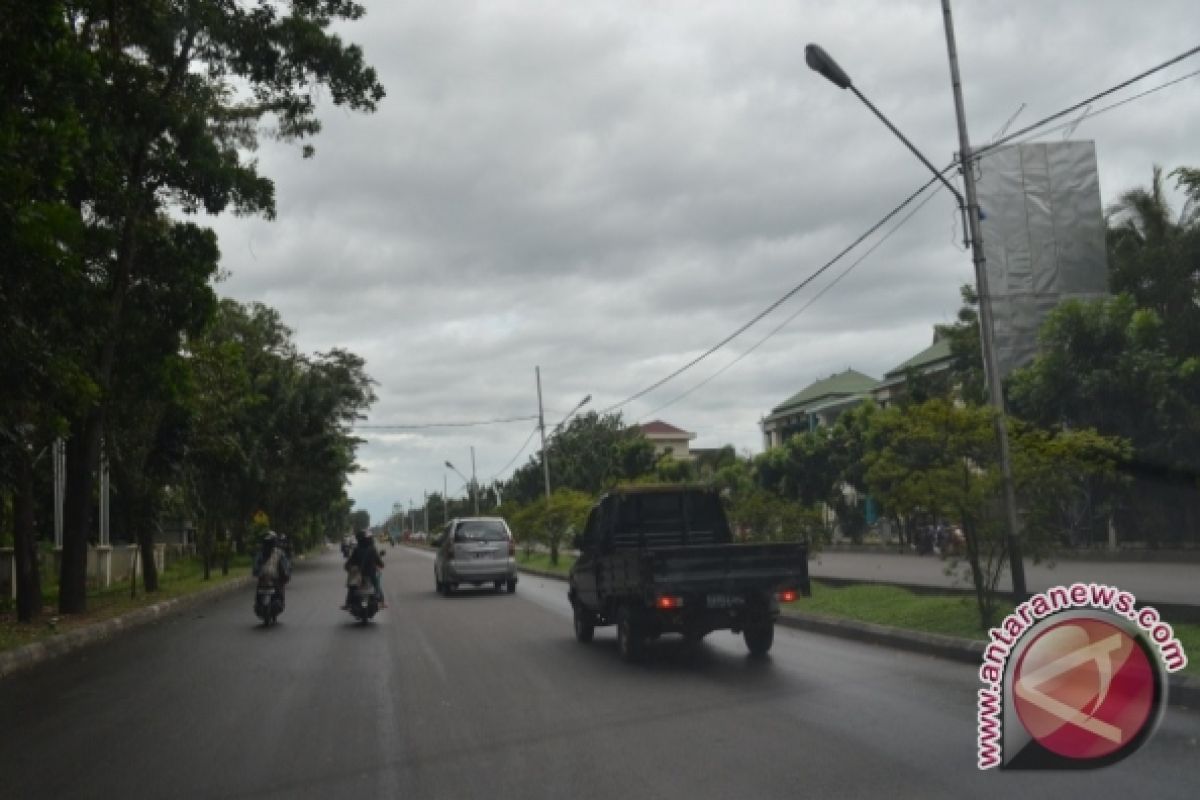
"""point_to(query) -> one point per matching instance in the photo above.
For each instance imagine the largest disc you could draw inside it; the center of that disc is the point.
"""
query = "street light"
(821, 62)
(546, 453)
(469, 481)
(578, 406)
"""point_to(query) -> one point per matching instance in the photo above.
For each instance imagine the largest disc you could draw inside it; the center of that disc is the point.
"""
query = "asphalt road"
(1150, 582)
(489, 695)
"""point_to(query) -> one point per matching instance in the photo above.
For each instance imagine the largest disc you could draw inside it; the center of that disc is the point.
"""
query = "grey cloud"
(608, 189)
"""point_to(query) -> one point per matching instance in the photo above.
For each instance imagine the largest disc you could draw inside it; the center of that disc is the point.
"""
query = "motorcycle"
(364, 603)
(268, 603)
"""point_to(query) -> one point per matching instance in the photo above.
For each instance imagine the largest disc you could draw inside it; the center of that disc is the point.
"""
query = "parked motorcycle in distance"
(268, 604)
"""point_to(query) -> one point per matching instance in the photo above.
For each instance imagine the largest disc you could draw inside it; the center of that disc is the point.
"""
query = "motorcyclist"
(366, 559)
(272, 565)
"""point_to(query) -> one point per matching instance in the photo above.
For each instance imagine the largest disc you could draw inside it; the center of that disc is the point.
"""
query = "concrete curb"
(1184, 690)
(26, 656)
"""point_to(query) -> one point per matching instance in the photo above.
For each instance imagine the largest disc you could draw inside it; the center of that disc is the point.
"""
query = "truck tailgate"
(729, 567)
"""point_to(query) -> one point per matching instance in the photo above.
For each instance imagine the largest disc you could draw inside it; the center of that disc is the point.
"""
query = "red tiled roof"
(660, 427)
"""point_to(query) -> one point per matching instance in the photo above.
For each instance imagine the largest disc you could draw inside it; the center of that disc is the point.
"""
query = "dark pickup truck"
(661, 559)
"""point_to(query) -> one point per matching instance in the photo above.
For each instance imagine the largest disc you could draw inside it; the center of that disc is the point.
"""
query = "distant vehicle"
(660, 559)
(475, 550)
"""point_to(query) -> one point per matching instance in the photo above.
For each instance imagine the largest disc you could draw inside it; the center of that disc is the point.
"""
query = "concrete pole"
(987, 331)
(474, 486)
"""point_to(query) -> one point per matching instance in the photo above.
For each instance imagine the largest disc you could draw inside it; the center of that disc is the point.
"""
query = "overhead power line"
(1117, 104)
(836, 280)
(426, 425)
(776, 304)
(1088, 101)
(513, 460)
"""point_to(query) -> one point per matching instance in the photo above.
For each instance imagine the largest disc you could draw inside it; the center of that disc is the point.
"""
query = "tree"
(1107, 364)
(41, 235)
(966, 378)
(590, 455)
(1154, 256)
(549, 522)
(360, 519)
(824, 466)
(939, 460)
(169, 107)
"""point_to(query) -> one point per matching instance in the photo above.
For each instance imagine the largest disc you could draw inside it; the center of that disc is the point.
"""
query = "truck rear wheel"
(631, 641)
(759, 638)
(585, 629)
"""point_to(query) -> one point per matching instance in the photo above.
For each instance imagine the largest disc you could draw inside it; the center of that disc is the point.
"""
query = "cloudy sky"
(608, 189)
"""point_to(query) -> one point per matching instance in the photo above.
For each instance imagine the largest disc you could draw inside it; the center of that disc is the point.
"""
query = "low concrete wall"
(106, 565)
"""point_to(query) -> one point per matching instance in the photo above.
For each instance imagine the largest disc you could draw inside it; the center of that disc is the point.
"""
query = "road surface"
(485, 695)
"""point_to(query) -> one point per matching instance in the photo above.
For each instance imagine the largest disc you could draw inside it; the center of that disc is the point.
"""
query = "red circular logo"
(1084, 688)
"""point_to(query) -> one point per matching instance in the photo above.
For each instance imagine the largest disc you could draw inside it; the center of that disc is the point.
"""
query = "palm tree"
(1154, 254)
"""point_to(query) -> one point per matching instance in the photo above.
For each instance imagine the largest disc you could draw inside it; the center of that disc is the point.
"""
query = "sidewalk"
(1150, 582)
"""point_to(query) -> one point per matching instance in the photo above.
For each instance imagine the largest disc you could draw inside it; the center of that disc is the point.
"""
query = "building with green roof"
(934, 359)
(815, 405)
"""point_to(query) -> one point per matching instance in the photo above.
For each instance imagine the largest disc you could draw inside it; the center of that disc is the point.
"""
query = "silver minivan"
(475, 551)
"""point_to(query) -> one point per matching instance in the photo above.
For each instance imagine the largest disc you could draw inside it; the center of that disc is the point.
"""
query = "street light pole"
(474, 486)
(995, 389)
(464, 477)
(823, 63)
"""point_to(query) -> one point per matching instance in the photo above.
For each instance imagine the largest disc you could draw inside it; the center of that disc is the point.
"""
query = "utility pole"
(474, 486)
(426, 507)
(537, 371)
(995, 389)
(445, 502)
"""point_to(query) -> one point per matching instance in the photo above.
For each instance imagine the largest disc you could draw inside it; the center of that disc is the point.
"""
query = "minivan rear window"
(487, 530)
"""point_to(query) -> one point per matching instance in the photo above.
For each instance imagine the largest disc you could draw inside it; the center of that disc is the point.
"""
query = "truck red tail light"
(787, 596)
(668, 602)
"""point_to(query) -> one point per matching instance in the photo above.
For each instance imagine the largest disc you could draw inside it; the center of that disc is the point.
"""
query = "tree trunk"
(29, 579)
(981, 593)
(206, 549)
(149, 565)
(83, 453)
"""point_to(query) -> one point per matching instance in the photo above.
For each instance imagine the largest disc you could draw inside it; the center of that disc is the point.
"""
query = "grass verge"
(950, 616)
(181, 578)
(542, 561)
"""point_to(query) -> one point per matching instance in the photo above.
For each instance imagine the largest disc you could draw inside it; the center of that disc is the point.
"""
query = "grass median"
(181, 578)
(541, 561)
(899, 608)
(950, 616)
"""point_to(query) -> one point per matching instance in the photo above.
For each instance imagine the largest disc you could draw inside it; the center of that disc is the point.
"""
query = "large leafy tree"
(271, 429)
(591, 454)
(171, 104)
(41, 235)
